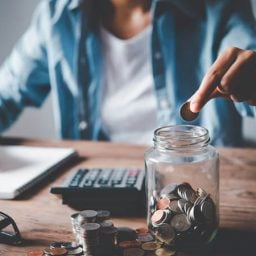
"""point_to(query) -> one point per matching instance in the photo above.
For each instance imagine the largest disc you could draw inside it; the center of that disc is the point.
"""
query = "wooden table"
(42, 218)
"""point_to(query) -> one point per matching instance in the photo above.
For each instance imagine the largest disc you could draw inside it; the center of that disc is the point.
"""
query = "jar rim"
(181, 136)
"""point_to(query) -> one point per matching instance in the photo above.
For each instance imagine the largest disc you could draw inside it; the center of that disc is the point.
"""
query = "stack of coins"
(90, 237)
(182, 216)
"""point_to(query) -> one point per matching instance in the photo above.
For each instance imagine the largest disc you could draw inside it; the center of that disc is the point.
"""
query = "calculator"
(120, 190)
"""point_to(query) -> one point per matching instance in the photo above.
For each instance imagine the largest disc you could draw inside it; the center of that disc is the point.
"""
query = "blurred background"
(15, 16)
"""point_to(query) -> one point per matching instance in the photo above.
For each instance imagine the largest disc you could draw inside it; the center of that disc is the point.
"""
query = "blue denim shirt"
(61, 53)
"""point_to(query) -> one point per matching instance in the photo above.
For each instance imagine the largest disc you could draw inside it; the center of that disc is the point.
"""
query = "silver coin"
(180, 222)
(174, 207)
(168, 189)
(165, 252)
(181, 204)
(208, 210)
(201, 192)
(88, 214)
(195, 215)
(77, 251)
(165, 233)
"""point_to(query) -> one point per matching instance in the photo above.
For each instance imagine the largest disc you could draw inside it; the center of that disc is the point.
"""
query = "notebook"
(22, 166)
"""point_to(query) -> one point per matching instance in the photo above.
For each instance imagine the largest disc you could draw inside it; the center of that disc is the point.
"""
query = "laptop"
(21, 167)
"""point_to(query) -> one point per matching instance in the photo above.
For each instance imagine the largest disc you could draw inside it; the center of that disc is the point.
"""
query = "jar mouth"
(181, 137)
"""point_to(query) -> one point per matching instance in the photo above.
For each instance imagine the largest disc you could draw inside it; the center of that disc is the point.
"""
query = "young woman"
(118, 69)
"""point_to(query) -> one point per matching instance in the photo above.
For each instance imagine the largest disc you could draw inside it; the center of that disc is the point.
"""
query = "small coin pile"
(58, 248)
(143, 244)
(182, 216)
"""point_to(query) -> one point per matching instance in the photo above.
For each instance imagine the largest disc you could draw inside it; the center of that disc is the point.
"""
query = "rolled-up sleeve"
(24, 76)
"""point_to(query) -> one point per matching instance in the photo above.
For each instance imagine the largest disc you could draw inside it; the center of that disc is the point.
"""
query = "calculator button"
(91, 178)
(77, 178)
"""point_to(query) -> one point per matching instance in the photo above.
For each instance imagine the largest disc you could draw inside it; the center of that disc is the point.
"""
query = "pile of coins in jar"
(182, 217)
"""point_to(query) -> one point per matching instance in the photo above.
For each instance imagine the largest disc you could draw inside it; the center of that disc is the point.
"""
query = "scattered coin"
(150, 246)
(129, 244)
(145, 237)
(35, 253)
(58, 251)
(165, 252)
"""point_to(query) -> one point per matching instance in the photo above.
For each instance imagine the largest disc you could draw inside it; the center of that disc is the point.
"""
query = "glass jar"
(182, 187)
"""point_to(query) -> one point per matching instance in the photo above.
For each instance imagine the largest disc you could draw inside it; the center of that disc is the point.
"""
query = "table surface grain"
(42, 218)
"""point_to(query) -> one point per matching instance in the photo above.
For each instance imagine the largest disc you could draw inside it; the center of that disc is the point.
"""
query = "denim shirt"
(61, 53)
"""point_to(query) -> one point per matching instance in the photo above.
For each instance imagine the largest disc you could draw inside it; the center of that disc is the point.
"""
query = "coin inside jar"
(186, 114)
(158, 216)
(180, 222)
(163, 203)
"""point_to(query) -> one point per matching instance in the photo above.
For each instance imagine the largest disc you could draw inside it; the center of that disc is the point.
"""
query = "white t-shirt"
(129, 107)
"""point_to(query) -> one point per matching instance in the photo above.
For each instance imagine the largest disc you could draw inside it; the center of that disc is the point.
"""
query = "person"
(118, 69)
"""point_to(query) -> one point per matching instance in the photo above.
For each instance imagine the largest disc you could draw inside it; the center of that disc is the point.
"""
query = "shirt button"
(164, 104)
(83, 125)
(158, 55)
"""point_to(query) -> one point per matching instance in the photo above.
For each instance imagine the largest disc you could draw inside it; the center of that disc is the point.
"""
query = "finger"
(252, 102)
(237, 79)
(212, 78)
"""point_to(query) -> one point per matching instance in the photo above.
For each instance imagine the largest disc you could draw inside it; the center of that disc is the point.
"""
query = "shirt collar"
(189, 7)
(192, 8)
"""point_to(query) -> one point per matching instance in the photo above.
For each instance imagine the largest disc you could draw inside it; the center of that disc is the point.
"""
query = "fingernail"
(195, 107)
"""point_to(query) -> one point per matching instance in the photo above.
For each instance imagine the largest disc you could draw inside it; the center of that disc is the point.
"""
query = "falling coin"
(186, 114)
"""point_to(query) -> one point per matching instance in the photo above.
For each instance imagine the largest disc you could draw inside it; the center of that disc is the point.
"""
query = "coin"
(69, 245)
(150, 246)
(35, 253)
(145, 237)
(133, 252)
(180, 222)
(165, 233)
(158, 216)
(106, 224)
(168, 189)
(186, 114)
(102, 215)
(125, 233)
(165, 252)
(163, 203)
(78, 251)
(208, 210)
(142, 230)
(173, 206)
(129, 244)
(58, 251)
